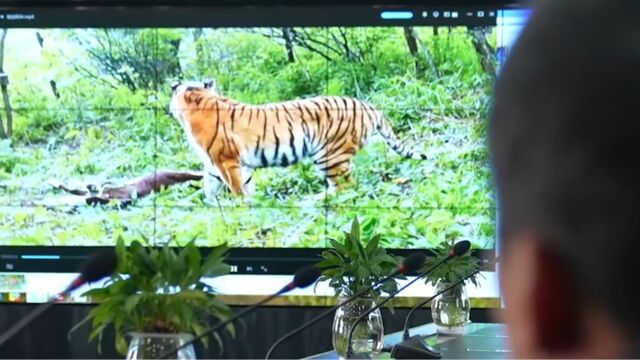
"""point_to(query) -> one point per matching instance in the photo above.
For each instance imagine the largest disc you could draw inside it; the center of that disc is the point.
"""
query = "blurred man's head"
(565, 136)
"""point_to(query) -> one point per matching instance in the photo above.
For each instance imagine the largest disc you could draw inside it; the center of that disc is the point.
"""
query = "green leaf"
(132, 302)
(121, 344)
(355, 230)
(373, 244)
(339, 247)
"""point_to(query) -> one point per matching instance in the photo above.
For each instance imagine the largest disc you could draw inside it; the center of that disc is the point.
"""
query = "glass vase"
(154, 345)
(450, 311)
(368, 336)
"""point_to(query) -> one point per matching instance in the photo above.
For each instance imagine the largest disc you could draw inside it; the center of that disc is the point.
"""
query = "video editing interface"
(88, 124)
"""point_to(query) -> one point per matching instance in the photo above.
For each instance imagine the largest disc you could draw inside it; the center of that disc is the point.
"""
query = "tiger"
(232, 138)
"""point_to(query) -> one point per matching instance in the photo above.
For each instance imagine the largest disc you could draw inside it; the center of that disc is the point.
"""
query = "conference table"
(479, 341)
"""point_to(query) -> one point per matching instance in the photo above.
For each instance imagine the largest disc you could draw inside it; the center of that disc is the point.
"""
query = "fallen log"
(125, 192)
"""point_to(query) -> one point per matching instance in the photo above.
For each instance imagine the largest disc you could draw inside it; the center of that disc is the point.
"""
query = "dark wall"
(46, 337)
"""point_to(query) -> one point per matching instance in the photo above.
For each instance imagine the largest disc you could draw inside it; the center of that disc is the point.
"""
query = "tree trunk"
(288, 44)
(486, 53)
(412, 43)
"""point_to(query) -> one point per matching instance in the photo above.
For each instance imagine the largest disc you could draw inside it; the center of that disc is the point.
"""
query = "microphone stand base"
(414, 348)
(359, 356)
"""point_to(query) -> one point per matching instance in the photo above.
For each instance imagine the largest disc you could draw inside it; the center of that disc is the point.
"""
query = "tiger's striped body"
(232, 138)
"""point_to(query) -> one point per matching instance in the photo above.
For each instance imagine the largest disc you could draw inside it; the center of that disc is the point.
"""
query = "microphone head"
(99, 265)
(413, 262)
(461, 248)
(306, 276)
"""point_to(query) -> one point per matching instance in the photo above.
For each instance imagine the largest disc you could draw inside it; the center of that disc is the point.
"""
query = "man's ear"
(557, 306)
(543, 308)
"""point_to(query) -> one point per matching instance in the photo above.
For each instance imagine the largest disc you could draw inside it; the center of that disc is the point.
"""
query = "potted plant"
(353, 264)
(157, 297)
(450, 311)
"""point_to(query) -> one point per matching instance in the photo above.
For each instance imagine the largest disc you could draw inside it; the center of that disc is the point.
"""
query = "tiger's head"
(189, 94)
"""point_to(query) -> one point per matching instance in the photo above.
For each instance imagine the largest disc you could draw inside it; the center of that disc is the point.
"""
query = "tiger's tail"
(384, 128)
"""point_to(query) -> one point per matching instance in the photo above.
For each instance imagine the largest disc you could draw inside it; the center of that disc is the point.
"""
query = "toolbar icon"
(480, 13)
(436, 14)
(425, 14)
(454, 14)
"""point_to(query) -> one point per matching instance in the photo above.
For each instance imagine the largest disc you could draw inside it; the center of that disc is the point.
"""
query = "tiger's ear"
(174, 85)
(208, 84)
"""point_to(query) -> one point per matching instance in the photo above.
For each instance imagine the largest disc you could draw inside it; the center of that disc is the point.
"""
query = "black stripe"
(286, 111)
(250, 115)
(354, 130)
(214, 175)
(275, 154)
(330, 118)
(305, 127)
(215, 134)
(285, 160)
(264, 128)
(346, 129)
(257, 149)
(232, 117)
(292, 145)
(316, 103)
(248, 180)
(304, 148)
(326, 159)
(337, 131)
(324, 146)
(304, 109)
(263, 159)
(337, 147)
(364, 133)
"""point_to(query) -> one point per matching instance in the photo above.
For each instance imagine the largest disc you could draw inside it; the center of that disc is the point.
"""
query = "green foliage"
(452, 270)
(355, 263)
(158, 290)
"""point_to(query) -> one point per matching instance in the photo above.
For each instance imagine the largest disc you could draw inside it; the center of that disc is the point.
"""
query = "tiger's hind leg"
(337, 170)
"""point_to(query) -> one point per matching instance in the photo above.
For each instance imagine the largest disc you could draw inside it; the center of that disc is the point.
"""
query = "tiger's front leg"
(249, 186)
(212, 183)
(231, 172)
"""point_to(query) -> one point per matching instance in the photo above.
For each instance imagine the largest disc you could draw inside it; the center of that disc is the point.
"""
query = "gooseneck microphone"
(99, 265)
(413, 347)
(459, 249)
(410, 264)
(302, 278)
